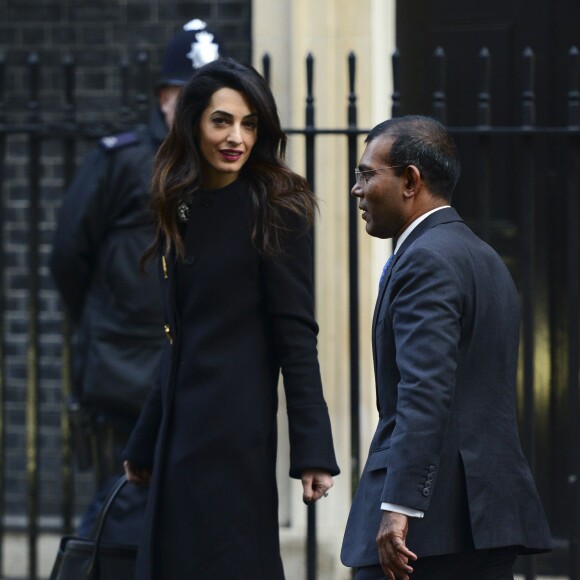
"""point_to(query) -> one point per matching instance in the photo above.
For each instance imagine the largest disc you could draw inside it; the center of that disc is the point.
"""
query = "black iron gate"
(38, 157)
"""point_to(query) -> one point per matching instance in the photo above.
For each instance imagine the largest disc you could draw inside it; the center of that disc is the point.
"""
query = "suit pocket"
(378, 459)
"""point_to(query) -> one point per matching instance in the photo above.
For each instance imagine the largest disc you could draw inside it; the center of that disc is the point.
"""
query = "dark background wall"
(97, 35)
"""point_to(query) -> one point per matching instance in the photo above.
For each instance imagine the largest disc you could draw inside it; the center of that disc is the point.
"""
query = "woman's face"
(228, 130)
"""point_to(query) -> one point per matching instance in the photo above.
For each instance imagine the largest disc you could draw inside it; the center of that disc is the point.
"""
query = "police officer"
(103, 228)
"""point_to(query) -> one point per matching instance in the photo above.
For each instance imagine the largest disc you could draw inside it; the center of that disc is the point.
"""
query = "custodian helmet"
(189, 49)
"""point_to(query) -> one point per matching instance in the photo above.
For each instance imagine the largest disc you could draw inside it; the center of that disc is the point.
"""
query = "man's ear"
(412, 180)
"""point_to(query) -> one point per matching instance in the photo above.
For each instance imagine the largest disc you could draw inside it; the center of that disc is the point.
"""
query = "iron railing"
(517, 238)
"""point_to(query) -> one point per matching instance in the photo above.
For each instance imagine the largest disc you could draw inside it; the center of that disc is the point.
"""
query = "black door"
(527, 225)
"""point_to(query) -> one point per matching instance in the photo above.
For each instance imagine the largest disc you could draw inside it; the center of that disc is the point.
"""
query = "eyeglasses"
(361, 179)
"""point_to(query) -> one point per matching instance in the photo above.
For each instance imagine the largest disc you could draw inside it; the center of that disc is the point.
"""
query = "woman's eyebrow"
(225, 113)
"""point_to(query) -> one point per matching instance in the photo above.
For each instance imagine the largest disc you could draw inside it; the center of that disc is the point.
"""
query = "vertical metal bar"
(396, 104)
(142, 96)
(310, 123)
(573, 292)
(32, 414)
(3, 208)
(311, 544)
(124, 111)
(266, 65)
(439, 106)
(528, 242)
(353, 284)
(66, 443)
(484, 156)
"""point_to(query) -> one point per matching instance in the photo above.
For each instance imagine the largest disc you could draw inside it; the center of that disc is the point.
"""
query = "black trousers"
(494, 564)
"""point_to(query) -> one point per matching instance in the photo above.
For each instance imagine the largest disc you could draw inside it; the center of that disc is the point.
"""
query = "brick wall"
(97, 35)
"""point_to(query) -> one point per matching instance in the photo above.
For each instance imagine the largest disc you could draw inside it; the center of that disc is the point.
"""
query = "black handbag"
(82, 559)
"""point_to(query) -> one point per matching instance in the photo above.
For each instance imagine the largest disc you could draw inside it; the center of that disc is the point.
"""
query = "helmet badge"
(203, 50)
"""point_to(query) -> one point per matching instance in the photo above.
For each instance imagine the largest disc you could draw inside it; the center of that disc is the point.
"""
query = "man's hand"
(136, 475)
(393, 553)
(315, 483)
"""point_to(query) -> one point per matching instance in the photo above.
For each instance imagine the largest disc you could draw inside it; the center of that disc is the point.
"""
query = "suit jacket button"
(426, 492)
(431, 469)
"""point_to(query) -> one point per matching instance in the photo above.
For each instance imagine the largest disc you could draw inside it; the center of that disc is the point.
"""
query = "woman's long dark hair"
(177, 167)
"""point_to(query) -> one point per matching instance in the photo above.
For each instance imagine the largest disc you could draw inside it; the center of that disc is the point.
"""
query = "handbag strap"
(93, 568)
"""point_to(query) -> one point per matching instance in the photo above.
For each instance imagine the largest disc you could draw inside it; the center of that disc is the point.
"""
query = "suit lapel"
(439, 217)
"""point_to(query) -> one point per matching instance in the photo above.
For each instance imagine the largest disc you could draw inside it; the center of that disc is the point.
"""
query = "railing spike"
(396, 74)
(573, 87)
(439, 106)
(266, 63)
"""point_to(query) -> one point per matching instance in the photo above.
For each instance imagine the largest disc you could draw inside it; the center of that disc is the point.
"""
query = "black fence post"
(143, 87)
(124, 111)
(396, 76)
(527, 240)
(573, 292)
(439, 106)
(266, 65)
(32, 401)
(69, 150)
(311, 546)
(484, 158)
(3, 209)
(353, 218)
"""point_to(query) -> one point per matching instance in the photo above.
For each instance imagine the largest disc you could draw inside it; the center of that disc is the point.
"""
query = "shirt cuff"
(393, 507)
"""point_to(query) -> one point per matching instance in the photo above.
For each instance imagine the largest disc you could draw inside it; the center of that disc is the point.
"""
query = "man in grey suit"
(446, 493)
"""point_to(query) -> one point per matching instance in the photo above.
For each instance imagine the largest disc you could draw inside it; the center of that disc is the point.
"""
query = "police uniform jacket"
(103, 228)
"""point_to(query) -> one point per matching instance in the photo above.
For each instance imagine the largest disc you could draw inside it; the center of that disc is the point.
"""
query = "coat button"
(168, 333)
(426, 492)
(430, 477)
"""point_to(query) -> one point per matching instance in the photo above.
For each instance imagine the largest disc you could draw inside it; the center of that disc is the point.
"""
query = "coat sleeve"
(81, 226)
(426, 305)
(288, 280)
(140, 449)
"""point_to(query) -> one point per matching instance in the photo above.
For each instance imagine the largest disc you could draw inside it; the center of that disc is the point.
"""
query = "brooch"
(183, 212)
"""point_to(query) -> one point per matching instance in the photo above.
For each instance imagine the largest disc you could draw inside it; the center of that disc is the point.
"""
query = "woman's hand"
(136, 475)
(315, 483)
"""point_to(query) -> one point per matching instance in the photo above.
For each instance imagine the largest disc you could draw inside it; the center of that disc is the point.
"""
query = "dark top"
(104, 226)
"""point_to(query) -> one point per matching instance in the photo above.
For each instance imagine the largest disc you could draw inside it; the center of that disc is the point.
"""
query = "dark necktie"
(386, 268)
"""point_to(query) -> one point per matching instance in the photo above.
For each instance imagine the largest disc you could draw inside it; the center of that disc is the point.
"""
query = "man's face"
(168, 101)
(380, 192)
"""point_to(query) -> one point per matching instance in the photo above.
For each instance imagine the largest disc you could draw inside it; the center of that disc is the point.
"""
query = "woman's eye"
(219, 121)
(250, 125)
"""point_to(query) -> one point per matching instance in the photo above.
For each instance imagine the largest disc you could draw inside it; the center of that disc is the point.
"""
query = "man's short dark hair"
(425, 143)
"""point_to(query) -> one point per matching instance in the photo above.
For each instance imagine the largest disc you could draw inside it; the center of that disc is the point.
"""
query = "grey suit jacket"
(445, 348)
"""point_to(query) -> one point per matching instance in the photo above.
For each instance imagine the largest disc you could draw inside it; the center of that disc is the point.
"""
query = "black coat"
(234, 318)
(104, 226)
(445, 345)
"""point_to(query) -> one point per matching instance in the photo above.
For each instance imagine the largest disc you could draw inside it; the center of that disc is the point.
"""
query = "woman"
(235, 249)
